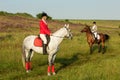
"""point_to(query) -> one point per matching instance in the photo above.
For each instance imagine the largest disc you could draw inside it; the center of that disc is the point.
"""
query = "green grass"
(73, 61)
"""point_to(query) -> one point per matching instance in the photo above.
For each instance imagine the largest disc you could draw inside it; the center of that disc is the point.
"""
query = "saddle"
(98, 36)
(38, 41)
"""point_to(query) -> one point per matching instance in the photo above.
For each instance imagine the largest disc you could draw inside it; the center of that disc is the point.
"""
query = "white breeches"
(43, 37)
(95, 33)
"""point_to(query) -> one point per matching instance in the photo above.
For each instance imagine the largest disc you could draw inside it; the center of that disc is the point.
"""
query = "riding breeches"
(43, 37)
(95, 33)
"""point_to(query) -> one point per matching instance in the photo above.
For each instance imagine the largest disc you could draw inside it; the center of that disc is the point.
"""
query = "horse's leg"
(31, 55)
(51, 58)
(103, 47)
(99, 48)
(28, 60)
(53, 67)
(49, 64)
(90, 48)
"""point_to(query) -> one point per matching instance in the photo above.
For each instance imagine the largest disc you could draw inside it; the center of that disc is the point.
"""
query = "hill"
(13, 22)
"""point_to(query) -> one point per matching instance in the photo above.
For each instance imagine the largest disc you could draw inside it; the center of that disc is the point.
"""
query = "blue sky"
(66, 9)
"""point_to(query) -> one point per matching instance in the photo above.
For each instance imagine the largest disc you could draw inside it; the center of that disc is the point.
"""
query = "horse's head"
(68, 34)
(86, 29)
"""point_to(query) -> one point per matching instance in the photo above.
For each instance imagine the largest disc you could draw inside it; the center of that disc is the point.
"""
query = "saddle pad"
(98, 36)
(38, 42)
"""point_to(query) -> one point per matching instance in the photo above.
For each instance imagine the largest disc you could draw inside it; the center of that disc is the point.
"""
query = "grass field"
(73, 61)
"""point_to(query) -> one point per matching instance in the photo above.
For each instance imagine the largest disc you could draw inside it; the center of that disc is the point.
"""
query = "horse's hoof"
(98, 51)
(27, 71)
(49, 74)
(54, 73)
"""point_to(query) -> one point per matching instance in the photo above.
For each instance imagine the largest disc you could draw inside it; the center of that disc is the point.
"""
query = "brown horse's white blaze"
(91, 40)
(29, 48)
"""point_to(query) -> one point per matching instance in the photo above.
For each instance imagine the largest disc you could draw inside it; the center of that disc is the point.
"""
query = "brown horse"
(91, 40)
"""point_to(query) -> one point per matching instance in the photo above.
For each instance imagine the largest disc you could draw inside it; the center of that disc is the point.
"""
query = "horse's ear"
(67, 26)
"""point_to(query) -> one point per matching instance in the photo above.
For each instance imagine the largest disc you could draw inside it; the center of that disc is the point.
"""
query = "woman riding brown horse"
(91, 39)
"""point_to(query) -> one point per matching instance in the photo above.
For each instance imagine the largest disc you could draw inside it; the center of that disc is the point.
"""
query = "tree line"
(4, 13)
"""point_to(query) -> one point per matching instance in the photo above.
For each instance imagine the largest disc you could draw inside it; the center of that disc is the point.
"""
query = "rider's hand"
(50, 34)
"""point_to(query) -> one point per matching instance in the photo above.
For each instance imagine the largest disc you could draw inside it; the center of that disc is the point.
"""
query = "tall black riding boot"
(44, 49)
(95, 39)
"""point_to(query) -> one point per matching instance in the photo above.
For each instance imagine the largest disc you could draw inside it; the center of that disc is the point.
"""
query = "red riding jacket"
(44, 28)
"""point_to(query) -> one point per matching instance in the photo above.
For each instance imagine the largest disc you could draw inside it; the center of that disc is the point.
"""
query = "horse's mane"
(88, 27)
(57, 31)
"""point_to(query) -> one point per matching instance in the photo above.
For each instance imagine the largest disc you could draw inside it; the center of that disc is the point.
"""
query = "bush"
(24, 15)
(66, 20)
(3, 13)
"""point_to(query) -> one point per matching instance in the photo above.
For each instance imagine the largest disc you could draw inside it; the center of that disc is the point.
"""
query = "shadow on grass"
(66, 62)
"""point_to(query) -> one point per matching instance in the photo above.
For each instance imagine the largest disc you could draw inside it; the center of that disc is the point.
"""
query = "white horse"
(55, 40)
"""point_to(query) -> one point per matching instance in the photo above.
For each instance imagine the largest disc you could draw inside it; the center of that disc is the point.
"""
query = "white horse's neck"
(58, 36)
(61, 32)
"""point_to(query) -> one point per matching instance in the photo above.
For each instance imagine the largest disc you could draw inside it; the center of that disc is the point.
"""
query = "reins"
(58, 36)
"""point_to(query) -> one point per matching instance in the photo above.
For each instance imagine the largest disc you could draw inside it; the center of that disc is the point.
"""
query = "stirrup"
(96, 39)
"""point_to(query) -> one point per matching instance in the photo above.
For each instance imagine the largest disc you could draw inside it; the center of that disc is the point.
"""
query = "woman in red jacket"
(44, 31)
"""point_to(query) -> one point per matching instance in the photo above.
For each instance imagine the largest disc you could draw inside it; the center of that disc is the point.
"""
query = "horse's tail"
(23, 55)
(107, 37)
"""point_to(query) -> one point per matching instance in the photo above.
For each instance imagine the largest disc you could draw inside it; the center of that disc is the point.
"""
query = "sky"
(65, 9)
